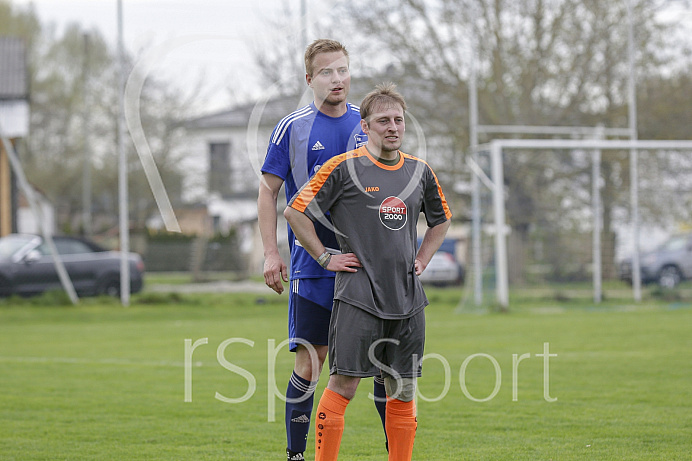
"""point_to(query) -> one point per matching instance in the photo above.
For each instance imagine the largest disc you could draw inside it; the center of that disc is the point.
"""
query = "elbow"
(288, 213)
(443, 226)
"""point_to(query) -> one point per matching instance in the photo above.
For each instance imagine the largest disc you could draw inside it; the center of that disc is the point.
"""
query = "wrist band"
(323, 260)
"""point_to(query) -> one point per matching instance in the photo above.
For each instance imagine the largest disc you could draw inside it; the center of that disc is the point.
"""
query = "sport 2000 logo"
(273, 392)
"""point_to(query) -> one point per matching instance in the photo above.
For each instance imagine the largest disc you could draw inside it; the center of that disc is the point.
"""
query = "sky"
(208, 41)
(187, 41)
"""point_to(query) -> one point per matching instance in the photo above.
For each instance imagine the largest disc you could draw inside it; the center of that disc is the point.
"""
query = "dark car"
(27, 266)
(667, 265)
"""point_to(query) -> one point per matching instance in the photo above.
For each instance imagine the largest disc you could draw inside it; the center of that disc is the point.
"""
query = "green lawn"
(103, 382)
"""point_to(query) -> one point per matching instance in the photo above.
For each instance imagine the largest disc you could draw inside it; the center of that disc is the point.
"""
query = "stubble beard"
(394, 147)
(334, 101)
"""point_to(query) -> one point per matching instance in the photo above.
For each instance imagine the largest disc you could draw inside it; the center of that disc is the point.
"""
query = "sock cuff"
(401, 408)
(301, 384)
(333, 401)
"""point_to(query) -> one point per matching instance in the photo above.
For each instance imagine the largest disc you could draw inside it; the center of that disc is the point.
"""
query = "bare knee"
(309, 361)
(403, 389)
(345, 386)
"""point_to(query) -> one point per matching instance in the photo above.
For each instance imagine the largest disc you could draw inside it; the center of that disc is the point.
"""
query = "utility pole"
(122, 171)
(634, 168)
(86, 166)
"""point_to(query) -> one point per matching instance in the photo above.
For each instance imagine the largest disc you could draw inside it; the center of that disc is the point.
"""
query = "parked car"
(667, 265)
(27, 266)
(443, 269)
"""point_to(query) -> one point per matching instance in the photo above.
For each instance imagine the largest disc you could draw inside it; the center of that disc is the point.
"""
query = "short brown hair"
(384, 93)
(321, 45)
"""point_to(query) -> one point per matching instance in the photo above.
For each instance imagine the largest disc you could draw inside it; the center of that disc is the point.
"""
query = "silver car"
(443, 269)
(27, 266)
(667, 265)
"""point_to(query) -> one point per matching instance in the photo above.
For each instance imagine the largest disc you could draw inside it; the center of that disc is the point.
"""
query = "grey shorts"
(363, 345)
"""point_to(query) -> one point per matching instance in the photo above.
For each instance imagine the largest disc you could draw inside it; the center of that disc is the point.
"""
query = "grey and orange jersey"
(374, 209)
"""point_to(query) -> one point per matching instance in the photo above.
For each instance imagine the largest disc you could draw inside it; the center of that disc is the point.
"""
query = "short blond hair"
(383, 94)
(321, 45)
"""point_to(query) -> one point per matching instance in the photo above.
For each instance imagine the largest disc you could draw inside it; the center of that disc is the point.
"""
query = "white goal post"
(496, 148)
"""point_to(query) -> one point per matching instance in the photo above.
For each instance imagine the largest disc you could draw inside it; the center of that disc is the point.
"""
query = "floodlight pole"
(475, 180)
(86, 168)
(304, 23)
(122, 171)
(634, 169)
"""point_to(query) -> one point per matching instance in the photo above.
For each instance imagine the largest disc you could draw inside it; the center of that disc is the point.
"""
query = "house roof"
(13, 70)
(418, 91)
(271, 112)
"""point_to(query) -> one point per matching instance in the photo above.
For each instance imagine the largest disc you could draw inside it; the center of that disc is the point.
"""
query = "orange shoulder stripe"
(448, 212)
(310, 189)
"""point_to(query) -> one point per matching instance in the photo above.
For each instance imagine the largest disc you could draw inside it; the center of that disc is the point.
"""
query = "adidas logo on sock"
(294, 457)
(301, 419)
(318, 146)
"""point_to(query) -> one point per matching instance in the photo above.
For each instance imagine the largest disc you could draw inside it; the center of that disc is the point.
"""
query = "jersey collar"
(382, 165)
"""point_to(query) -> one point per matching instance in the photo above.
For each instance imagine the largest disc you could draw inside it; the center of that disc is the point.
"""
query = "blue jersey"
(300, 143)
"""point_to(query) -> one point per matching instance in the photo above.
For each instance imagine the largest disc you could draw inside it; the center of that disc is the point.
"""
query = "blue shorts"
(309, 311)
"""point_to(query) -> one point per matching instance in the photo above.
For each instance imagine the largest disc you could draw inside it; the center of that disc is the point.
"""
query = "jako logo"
(372, 189)
(393, 213)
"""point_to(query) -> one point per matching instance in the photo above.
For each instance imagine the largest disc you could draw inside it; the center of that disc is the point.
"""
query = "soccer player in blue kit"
(300, 143)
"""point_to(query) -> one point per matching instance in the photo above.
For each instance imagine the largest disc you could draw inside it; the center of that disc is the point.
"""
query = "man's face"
(385, 128)
(330, 80)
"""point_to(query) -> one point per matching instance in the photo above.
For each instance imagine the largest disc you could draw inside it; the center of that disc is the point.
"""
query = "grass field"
(103, 382)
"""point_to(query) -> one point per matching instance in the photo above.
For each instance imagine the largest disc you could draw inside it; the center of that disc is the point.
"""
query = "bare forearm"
(275, 270)
(267, 219)
(433, 238)
(304, 230)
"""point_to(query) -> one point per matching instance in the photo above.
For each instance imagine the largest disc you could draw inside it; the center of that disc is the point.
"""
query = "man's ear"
(364, 126)
(308, 79)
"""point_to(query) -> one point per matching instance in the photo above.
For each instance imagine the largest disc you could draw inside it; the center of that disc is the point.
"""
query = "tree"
(542, 62)
(74, 109)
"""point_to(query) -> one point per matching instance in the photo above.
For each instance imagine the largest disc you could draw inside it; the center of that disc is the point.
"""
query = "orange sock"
(329, 425)
(401, 425)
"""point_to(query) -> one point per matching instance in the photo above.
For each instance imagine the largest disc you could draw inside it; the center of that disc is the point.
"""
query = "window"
(65, 247)
(220, 168)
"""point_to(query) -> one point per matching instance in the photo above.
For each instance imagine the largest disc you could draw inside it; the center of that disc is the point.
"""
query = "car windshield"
(674, 244)
(12, 243)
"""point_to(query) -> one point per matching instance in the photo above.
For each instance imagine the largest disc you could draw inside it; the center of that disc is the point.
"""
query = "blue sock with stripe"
(380, 395)
(300, 396)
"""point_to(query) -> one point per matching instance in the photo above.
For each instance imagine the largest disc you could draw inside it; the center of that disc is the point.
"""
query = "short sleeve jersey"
(299, 145)
(375, 210)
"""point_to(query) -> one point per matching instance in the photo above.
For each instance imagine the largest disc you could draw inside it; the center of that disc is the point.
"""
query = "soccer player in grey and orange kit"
(300, 143)
(374, 195)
